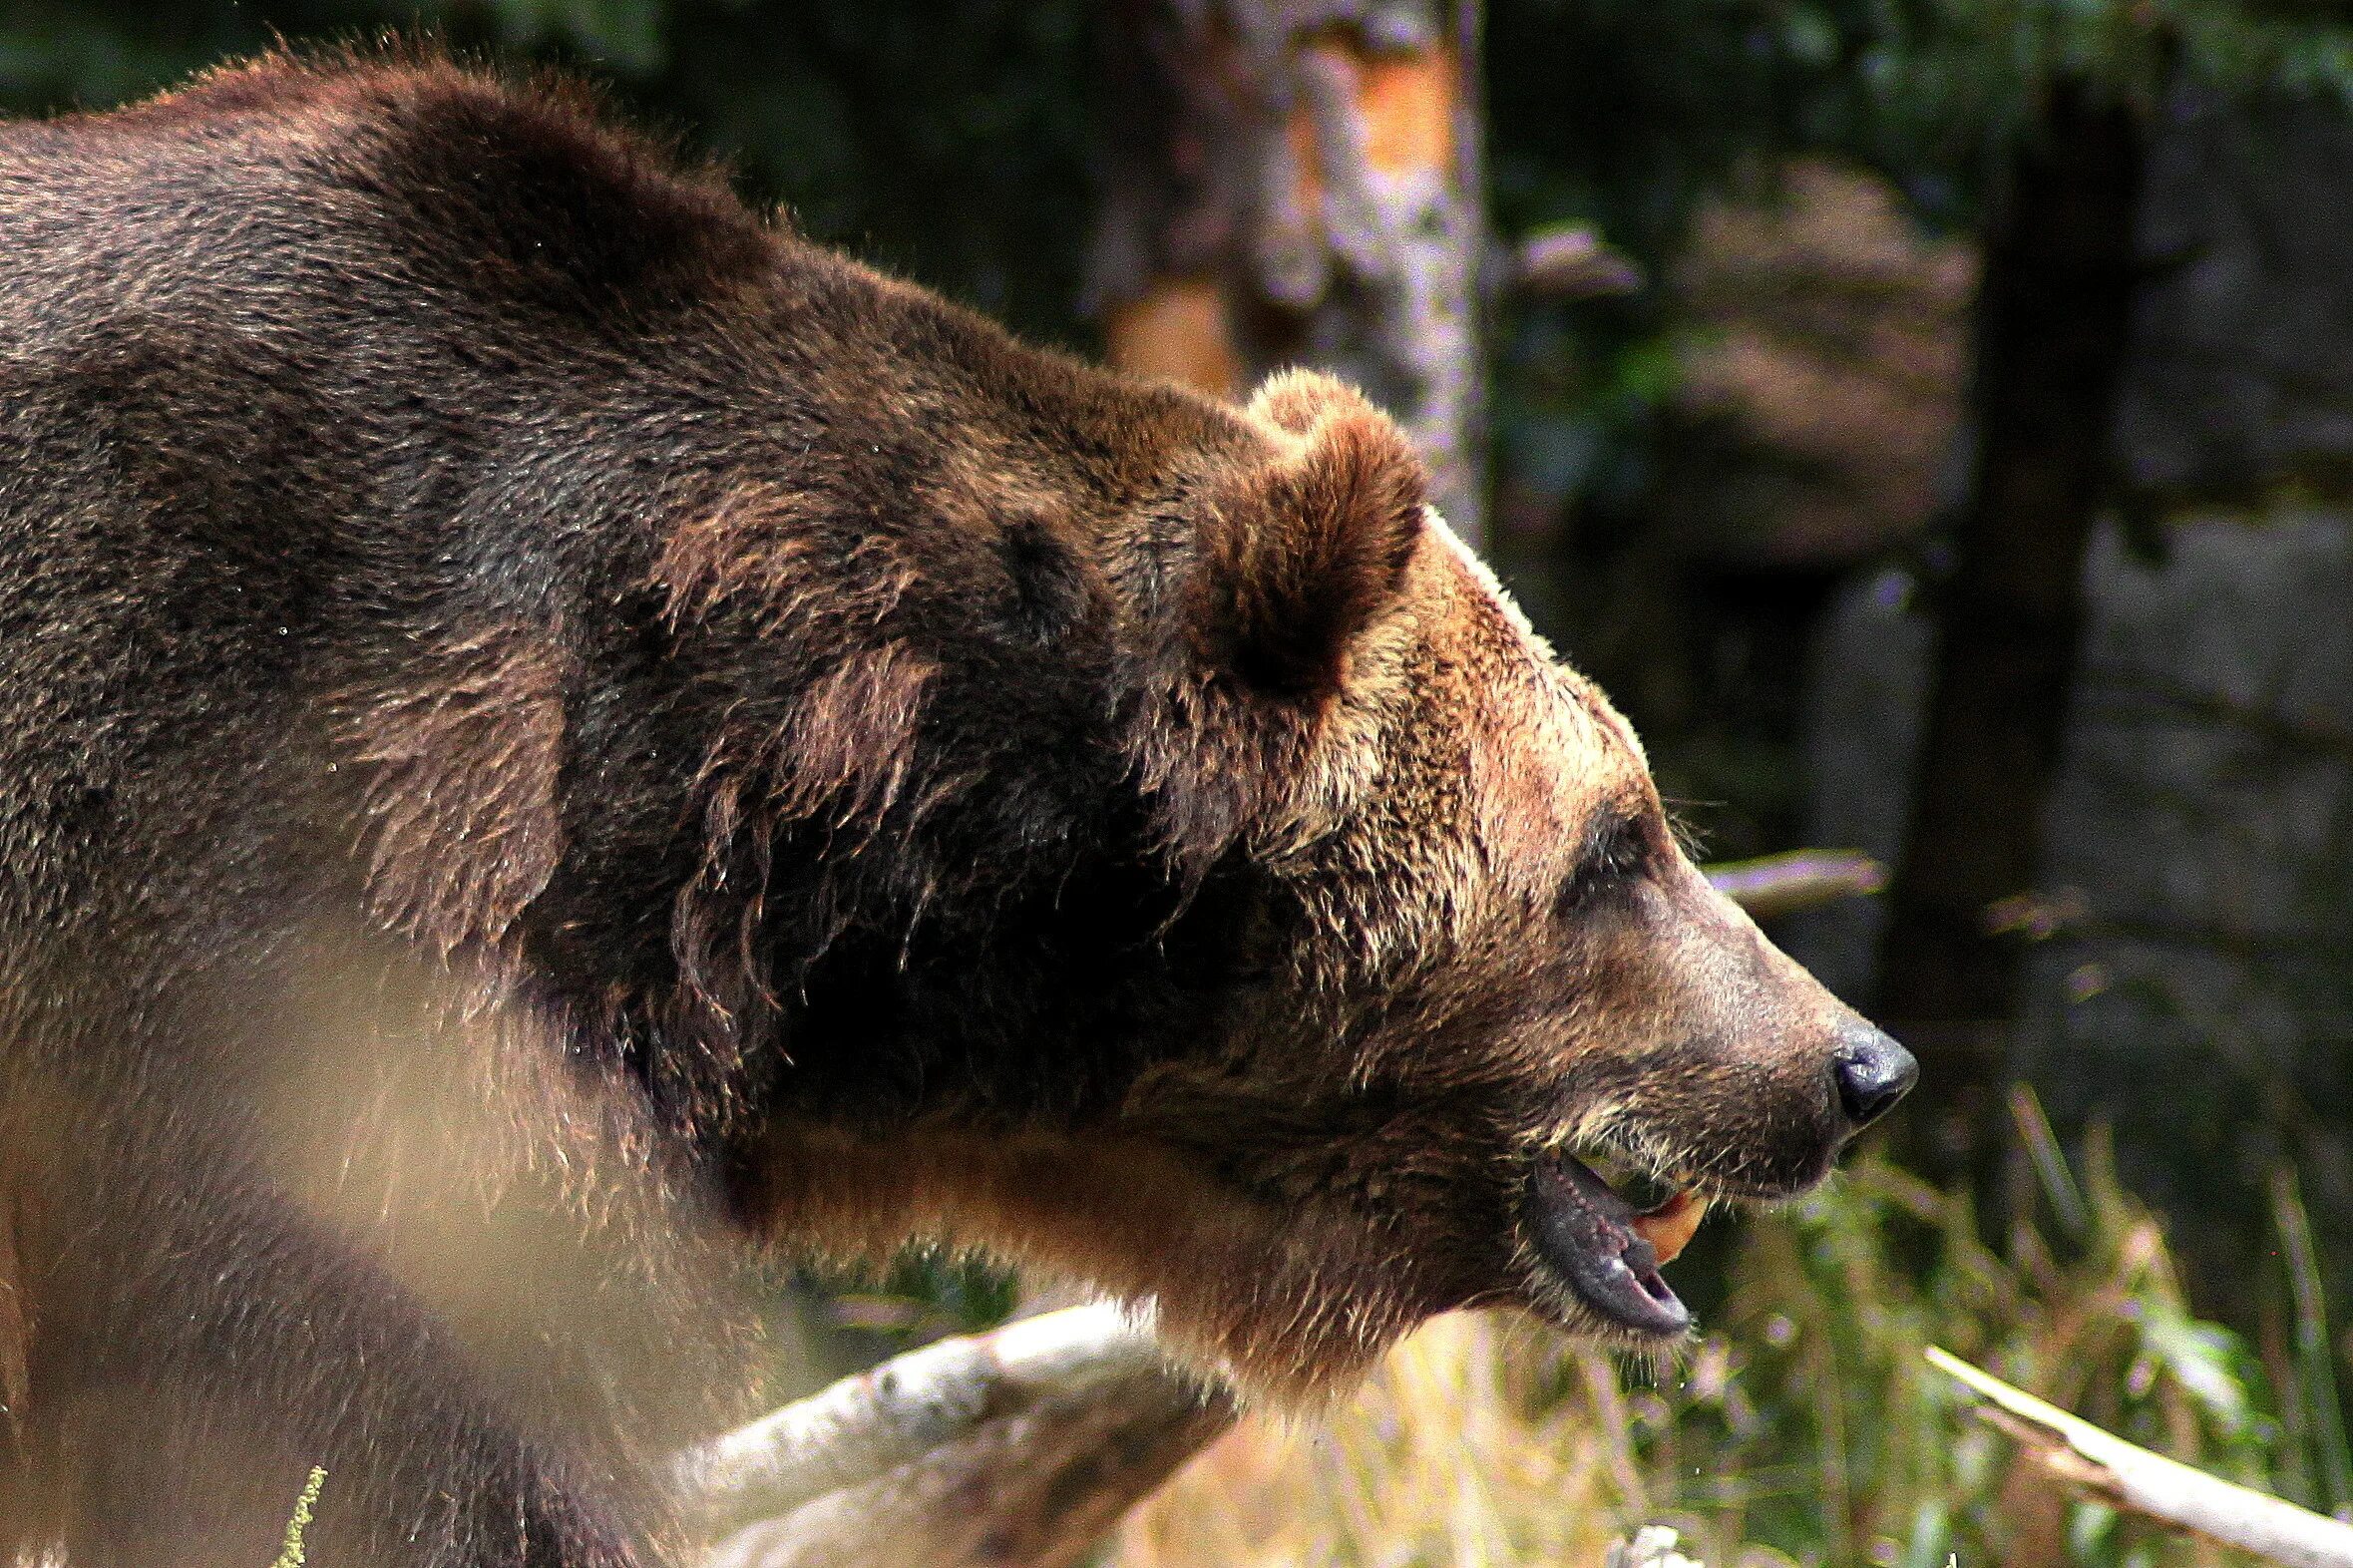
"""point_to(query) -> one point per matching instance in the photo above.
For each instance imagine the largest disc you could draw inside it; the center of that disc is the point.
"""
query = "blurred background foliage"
(1732, 494)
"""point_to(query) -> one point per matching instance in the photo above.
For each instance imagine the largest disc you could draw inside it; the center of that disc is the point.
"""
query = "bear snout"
(1791, 1074)
(1871, 1072)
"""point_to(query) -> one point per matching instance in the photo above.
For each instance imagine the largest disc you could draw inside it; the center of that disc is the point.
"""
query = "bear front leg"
(198, 1343)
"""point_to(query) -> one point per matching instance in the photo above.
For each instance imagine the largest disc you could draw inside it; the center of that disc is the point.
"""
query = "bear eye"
(1615, 853)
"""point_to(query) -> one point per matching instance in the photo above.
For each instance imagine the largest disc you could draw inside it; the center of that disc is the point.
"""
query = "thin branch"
(1806, 879)
(2128, 1477)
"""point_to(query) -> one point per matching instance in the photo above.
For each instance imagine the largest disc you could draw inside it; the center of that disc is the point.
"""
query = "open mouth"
(1606, 1252)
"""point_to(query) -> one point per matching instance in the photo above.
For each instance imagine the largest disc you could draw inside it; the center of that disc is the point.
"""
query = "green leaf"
(2088, 1526)
(2204, 1359)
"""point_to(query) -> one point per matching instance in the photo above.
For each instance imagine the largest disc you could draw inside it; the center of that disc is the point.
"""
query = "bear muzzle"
(1593, 1240)
(1585, 1240)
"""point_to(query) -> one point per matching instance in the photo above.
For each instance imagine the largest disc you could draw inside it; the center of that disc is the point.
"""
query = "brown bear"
(550, 728)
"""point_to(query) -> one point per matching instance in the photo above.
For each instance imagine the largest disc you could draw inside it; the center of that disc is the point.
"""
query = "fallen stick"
(1021, 1445)
(2130, 1477)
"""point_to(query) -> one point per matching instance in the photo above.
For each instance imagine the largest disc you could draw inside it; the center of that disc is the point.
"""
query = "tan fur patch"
(1233, 1283)
(753, 555)
(1549, 752)
(852, 737)
(1298, 400)
(461, 828)
(843, 756)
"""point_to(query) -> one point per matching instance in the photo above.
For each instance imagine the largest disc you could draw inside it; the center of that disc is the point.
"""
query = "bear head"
(1382, 934)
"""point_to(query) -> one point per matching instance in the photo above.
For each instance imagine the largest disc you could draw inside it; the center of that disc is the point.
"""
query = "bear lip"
(1594, 1242)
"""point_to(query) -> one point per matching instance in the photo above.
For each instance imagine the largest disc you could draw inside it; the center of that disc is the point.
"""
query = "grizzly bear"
(552, 730)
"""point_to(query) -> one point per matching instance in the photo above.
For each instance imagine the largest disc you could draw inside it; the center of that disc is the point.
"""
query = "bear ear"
(1303, 550)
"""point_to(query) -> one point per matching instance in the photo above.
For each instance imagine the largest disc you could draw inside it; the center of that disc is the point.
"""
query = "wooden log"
(1023, 1446)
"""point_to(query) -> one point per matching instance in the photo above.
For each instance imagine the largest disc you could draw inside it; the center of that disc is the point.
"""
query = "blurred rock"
(2206, 810)
(2243, 373)
(2202, 825)
(2203, 819)
(1822, 385)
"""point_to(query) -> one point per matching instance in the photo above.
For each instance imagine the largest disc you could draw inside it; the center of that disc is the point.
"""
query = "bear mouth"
(1607, 1252)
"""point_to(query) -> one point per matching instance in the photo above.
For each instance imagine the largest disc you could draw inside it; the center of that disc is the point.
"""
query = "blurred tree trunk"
(1298, 181)
(2053, 317)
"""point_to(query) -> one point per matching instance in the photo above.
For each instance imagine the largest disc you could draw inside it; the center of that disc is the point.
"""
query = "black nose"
(1872, 1071)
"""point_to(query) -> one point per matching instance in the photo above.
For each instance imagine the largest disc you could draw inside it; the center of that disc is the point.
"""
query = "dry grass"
(1439, 1459)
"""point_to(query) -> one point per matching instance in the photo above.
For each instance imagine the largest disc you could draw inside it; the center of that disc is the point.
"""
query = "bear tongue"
(1670, 1227)
(1595, 1243)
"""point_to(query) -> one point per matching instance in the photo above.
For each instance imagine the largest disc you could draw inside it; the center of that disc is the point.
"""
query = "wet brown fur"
(550, 728)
